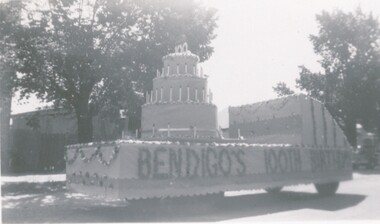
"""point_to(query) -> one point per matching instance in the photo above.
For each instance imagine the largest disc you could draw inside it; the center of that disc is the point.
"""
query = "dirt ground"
(49, 201)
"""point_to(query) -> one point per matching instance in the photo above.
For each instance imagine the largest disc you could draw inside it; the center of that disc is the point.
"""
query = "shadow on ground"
(50, 202)
(217, 209)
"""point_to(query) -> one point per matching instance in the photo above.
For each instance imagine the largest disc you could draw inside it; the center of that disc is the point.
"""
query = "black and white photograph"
(254, 111)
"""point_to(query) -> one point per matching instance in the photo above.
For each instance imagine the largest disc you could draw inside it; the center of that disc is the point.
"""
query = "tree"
(348, 44)
(9, 23)
(99, 55)
(281, 89)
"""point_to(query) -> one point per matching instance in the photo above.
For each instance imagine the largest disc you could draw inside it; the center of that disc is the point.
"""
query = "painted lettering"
(203, 161)
(144, 167)
(282, 160)
(211, 164)
(326, 160)
(159, 163)
(175, 161)
(224, 162)
(239, 155)
(163, 163)
(192, 164)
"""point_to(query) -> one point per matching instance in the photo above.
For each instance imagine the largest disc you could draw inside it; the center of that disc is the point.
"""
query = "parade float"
(287, 141)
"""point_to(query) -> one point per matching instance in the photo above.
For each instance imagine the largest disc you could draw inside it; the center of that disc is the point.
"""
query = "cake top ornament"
(181, 49)
(181, 46)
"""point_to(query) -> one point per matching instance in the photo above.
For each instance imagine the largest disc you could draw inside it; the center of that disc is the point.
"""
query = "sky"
(259, 43)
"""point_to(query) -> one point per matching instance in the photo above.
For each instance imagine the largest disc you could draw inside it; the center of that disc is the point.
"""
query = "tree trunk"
(84, 121)
(5, 116)
(84, 128)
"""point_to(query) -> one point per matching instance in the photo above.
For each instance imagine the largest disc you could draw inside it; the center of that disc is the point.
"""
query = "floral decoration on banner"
(283, 102)
(113, 156)
(72, 160)
(89, 159)
(97, 154)
(250, 109)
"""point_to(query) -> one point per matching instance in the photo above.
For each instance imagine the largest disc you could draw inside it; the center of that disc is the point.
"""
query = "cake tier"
(179, 120)
(179, 88)
(180, 63)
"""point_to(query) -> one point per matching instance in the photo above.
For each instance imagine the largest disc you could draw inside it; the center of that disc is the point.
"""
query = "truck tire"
(273, 190)
(327, 189)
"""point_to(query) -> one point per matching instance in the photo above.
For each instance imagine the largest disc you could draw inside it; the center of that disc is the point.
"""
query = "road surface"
(51, 202)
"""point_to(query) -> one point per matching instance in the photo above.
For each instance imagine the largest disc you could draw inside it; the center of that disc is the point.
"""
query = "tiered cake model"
(180, 104)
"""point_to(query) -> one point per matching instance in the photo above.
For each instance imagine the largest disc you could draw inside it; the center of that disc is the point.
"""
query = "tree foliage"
(99, 56)
(9, 21)
(349, 47)
(281, 89)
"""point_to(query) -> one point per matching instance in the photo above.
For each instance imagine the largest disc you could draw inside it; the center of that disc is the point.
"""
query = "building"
(38, 138)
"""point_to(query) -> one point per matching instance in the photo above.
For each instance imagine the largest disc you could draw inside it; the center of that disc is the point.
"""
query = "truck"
(272, 144)
(367, 152)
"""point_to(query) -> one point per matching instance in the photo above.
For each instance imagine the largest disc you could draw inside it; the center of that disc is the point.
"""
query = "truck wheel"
(327, 189)
(273, 190)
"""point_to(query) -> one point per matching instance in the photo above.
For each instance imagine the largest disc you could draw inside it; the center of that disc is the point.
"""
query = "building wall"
(51, 121)
(46, 121)
(38, 139)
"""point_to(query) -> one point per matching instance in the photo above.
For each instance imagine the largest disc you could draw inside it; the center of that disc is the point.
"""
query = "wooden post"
(169, 130)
